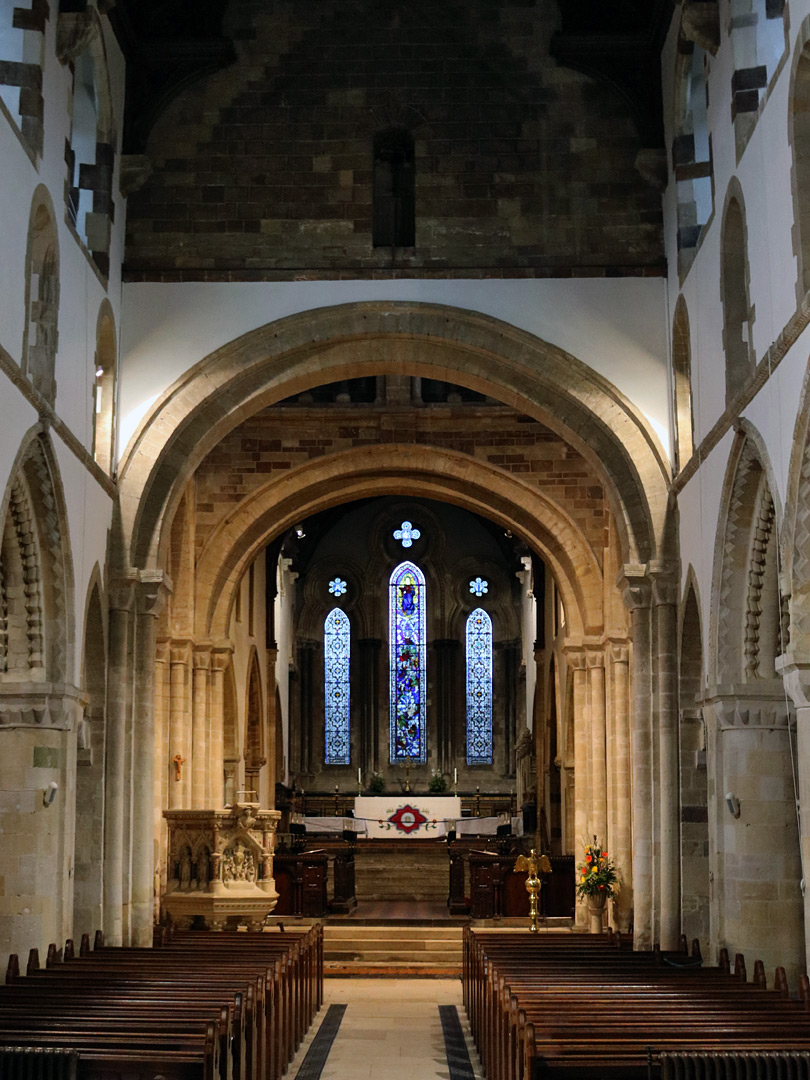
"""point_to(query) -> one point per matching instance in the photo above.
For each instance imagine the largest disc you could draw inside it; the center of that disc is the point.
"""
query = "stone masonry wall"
(522, 167)
(284, 437)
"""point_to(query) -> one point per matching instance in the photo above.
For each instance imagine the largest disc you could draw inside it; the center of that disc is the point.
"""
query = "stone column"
(151, 594)
(369, 690)
(665, 600)
(200, 769)
(220, 659)
(164, 771)
(180, 744)
(271, 755)
(119, 683)
(306, 658)
(621, 843)
(576, 661)
(598, 762)
(636, 593)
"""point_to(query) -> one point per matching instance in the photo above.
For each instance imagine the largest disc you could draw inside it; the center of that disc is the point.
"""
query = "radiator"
(37, 1063)
(780, 1065)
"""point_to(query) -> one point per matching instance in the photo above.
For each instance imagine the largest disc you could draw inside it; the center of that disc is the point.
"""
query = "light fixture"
(733, 804)
(299, 532)
(49, 794)
(99, 372)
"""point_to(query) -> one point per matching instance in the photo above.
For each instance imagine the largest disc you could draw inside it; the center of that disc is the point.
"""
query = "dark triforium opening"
(394, 208)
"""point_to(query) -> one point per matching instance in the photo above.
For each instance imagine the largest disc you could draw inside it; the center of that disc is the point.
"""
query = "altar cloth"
(391, 816)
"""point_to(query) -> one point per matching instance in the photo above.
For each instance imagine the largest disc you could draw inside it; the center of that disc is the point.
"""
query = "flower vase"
(596, 911)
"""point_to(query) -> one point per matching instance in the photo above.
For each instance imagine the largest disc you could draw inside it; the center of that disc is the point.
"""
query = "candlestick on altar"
(406, 765)
(359, 782)
(455, 781)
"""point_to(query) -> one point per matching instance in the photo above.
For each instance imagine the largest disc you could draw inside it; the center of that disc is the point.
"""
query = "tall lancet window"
(407, 634)
(479, 688)
(337, 654)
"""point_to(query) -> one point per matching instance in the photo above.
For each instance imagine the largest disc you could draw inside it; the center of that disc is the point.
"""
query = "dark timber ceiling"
(171, 43)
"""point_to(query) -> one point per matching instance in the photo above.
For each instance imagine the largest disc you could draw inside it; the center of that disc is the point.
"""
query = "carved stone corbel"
(701, 24)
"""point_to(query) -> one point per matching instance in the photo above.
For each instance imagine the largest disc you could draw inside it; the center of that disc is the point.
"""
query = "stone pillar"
(200, 749)
(306, 659)
(151, 593)
(121, 598)
(636, 593)
(621, 842)
(598, 762)
(164, 771)
(576, 661)
(220, 659)
(369, 691)
(270, 743)
(180, 744)
(446, 654)
(510, 669)
(665, 599)
(757, 905)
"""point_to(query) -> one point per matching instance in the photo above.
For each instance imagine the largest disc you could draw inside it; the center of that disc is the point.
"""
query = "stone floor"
(391, 1030)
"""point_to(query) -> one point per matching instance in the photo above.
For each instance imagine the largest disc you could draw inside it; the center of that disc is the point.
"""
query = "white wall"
(616, 325)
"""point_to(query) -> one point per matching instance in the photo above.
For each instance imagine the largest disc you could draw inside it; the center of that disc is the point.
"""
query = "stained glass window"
(479, 688)
(407, 638)
(336, 655)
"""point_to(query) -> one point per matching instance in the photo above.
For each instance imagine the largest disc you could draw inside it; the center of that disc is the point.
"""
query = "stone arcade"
(280, 278)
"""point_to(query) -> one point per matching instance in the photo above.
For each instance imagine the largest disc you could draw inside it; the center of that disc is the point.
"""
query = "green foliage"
(597, 875)
(438, 784)
(376, 784)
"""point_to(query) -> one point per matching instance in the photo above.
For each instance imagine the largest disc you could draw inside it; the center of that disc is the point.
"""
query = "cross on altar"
(406, 765)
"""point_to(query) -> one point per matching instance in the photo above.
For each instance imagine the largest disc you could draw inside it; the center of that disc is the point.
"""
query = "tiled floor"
(391, 1030)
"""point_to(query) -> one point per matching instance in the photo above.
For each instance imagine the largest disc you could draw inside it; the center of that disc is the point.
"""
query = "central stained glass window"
(407, 640)
(336, 655)
(479, 688)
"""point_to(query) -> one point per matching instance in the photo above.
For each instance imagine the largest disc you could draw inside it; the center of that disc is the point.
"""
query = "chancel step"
(383, 945)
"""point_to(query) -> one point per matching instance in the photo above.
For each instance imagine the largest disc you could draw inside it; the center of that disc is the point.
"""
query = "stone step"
(385, 956)
(381, 945)
(343, 930)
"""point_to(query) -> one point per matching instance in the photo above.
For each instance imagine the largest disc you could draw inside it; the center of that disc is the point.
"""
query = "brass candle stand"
(532, 863)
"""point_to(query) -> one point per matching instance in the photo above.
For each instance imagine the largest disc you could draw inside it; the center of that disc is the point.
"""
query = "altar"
(415, 816)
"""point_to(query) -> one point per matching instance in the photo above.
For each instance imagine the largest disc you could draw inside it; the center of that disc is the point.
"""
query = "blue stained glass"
(407, 534)
(407, 639)
(336, 655)
(479, 688)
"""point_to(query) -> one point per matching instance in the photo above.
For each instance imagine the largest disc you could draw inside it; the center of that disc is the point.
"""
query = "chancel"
(405, 467)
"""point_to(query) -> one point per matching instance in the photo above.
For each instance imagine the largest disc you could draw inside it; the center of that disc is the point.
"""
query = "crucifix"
(178, 761)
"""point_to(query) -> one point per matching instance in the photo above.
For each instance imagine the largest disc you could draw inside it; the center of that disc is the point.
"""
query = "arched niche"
(682, 385)
(40, 336)
(734, 290)
(103, 399)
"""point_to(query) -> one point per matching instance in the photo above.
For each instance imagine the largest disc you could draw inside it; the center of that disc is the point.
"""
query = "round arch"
(328, 344)
(445, 475)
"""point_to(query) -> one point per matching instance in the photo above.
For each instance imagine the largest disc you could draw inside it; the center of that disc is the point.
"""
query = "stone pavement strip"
(391, 1030)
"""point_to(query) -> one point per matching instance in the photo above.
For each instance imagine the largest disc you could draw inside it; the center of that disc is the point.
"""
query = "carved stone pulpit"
(220, 865)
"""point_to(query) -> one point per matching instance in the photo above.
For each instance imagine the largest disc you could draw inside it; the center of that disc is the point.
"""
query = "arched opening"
(21, 42)
(736, 306)
(254, 730)
(693, 779)
(394, 209)
(759, 42)
(682, 385)
(103, 402)
(692, 152)
(88, 862)
(231, 749)
(41, 298)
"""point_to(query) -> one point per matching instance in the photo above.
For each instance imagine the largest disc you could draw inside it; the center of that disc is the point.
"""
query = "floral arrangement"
(376, 784)
(597, 875)
(437, 784)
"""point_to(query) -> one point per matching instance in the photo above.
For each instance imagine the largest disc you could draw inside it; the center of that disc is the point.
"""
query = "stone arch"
(328, 344)
(694, 829)
(799, 138)
(445, 475)
(684, 426)
(734, 291)
(104, 375)
(40, 333)
(36, 585)
(691, 150)
(745, 616)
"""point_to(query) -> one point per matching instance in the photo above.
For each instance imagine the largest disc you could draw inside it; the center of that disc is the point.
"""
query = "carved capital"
(634, 586)
(595, 658)
(748, 705)
(221, 654)
(796, 676)
(180, 652)
(576, 657)
(664, 586)
(75, 30)
(163, 651)
(201, 656)
(619, 652)
(153, 590)
(701, 24)
(121, 592)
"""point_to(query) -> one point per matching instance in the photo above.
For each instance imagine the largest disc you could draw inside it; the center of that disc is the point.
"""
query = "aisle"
(391, 1029)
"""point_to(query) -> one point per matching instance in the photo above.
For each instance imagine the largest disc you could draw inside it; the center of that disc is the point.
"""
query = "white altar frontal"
(419, 816)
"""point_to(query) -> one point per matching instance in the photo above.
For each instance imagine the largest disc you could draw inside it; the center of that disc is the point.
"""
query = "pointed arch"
(407, 658)
(682, 384)
(230, 729)
(734, 291)
(40, 332)
(478, 640)
(337, 698)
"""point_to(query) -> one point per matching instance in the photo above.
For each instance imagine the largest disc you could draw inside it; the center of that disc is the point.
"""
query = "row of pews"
(198, 1006)
(565, 1007)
